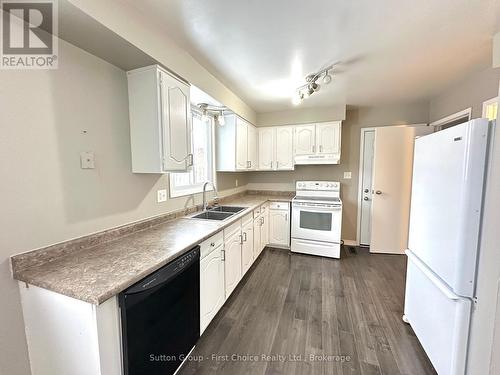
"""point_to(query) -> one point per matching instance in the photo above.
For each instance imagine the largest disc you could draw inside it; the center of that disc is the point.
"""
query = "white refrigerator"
(446, 208)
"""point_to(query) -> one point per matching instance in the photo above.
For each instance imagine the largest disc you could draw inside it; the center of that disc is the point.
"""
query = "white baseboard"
(351, 243)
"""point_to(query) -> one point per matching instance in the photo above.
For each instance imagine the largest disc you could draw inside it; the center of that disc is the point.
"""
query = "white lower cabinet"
(247, 256)
(232, 258)
(279, 224)
(257, 223)
(212, 286)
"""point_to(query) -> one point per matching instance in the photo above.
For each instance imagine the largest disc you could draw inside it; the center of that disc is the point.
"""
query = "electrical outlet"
(161, 195)
(347, 175)
(87, 160)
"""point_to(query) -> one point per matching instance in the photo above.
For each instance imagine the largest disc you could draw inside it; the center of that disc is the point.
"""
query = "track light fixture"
(312, 86)
(217, 112)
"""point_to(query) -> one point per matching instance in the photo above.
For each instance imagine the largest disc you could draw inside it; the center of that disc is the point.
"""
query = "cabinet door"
(304, 139)
(232, 263)
(266, 148)
(241, 145)
(212, 289)
(256, 237)
(264, 231)
(279, 225)
(284, 148)
(252, 147)
(176, 124)
(247, 248)
(328, 137)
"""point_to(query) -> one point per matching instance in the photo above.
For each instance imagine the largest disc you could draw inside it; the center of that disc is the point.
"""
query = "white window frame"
(176, 192)
(487, 103)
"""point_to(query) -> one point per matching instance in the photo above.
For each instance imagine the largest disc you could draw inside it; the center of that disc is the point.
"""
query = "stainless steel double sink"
(218, 213)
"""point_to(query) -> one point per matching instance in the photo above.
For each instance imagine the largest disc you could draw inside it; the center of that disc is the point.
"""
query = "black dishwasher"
(161, 317)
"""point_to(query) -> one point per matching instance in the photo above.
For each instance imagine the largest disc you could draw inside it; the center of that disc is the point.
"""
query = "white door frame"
(360, 174)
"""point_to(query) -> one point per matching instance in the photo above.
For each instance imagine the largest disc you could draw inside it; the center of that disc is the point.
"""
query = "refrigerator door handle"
(445, 289)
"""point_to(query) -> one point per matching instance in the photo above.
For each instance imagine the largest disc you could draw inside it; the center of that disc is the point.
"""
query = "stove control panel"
(318, 185)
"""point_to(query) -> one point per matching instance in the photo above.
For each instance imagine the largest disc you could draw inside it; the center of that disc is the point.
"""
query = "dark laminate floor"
(298, 305)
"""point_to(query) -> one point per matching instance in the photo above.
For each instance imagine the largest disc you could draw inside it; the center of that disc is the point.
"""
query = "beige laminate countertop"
(98, 273)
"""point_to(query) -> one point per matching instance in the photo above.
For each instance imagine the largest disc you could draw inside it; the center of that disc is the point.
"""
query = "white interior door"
(367, 144)
(284, 148)
(392, 173)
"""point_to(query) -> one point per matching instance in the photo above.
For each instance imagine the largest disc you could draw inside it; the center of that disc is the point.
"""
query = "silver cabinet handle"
(241, 239)
(314, 148)
(378, 192)
(190, 160)
(244, 236)
(271, 164)
(366, 190)
(223, 255)
(277, 164)
(365, 198)
(320, 148)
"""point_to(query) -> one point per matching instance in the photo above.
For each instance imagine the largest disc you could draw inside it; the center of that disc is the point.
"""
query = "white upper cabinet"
(252, 146)
(328, 137)
(276, 148)
(266, 148)
(236, 145)
(305, 139)
(160, 121)
(284, 148)
(241, 145)
(318, 143)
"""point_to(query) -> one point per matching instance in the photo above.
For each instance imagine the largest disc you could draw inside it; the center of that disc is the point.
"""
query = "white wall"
(471, 91)
(301, 116)
(355, 119)
(129, 23)
(47, 119)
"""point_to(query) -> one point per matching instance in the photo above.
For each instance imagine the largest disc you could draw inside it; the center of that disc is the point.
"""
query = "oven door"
(316, 221)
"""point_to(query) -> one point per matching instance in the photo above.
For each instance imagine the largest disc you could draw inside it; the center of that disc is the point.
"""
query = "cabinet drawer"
(210, 244)
(279, 205)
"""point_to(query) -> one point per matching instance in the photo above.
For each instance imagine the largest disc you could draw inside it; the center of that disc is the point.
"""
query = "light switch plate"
(87, 160)
(161, 195)
(347, 175)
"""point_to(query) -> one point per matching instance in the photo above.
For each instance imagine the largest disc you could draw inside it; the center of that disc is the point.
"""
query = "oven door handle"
(317, 208)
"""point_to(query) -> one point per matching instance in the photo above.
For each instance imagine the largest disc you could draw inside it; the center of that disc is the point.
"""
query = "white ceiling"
(389, 50)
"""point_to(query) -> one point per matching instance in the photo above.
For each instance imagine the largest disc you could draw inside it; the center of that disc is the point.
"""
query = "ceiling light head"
(327, 78)
(220, 119)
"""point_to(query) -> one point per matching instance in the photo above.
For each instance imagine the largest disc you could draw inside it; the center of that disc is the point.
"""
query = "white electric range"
(317, 218)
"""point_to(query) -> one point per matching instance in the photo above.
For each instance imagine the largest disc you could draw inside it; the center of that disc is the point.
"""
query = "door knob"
(378, 192)
(365, 198)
